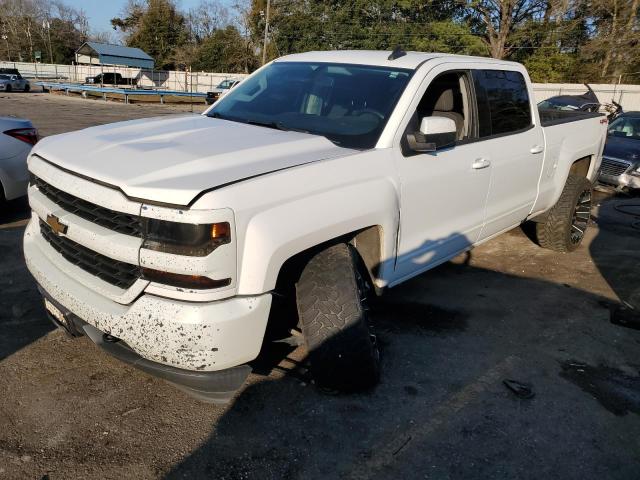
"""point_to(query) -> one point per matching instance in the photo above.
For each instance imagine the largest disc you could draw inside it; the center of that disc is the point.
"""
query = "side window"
(447, 96)
(503, 102)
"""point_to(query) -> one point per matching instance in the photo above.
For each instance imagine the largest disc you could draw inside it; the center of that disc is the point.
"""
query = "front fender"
(276, 234)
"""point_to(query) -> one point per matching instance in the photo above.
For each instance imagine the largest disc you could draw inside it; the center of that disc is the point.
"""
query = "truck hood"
(623, 148)
(173, 159)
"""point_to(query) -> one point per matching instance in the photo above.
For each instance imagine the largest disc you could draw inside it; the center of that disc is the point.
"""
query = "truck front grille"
(112, 271)
(117, 221)
(613, 168)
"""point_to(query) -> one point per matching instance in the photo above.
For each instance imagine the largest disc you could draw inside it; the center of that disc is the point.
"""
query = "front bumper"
(212, 387)
(625, 180)
(194, 336)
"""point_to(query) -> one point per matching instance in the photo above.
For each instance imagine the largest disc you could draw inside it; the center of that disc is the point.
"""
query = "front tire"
(331, 298)
(7, 88)
(566, 223)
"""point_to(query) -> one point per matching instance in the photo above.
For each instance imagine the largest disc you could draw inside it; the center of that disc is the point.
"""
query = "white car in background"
(17, 136)
(10, 83)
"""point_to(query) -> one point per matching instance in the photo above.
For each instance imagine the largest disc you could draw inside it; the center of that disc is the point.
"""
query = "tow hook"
(110, 338)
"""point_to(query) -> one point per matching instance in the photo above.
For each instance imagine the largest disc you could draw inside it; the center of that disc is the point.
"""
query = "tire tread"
(334, 321)
(554, 232)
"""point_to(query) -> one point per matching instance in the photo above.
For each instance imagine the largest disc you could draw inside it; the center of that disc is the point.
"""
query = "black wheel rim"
(581, 216)
(363, 292)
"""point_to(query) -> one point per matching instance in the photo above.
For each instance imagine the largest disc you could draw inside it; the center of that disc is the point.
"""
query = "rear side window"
(503, 102)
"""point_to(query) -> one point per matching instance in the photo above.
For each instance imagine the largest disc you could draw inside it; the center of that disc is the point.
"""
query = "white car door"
(515, 144)
(443, 194)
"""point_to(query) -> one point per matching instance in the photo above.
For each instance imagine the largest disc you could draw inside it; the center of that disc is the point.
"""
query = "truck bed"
(549, 117)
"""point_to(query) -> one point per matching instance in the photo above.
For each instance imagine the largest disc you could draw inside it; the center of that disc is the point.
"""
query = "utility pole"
(47, 25)
(266, 34)
(5, 38)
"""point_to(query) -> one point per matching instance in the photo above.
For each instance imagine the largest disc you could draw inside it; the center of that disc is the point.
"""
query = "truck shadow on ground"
(449, 338)
(14, 211)
(616, 249)
(22, 316)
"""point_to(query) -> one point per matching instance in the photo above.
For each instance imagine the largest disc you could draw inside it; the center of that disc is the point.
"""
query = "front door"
(443, 194)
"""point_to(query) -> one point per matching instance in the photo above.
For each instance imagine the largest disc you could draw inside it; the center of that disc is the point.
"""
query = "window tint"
(628, 127)
(348, 104)
(503, 102)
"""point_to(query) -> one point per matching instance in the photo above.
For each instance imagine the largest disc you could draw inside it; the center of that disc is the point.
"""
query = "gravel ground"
(509, 310)
(56, 113)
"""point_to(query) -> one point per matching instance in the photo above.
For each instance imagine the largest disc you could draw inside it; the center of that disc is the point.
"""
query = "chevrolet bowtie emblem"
(57, 227)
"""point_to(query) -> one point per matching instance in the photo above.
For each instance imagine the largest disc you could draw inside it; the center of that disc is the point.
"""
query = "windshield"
(348, 104)
(4, 77)
(628, 127)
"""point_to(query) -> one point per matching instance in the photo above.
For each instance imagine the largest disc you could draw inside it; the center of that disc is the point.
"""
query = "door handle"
(537, 149)
(480, 163)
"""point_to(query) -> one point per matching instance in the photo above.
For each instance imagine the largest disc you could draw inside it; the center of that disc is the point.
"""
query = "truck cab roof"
(411, 60)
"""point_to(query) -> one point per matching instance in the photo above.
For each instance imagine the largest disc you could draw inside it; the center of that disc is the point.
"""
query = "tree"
(205, 19)
(24, 24)
(613, 47)
(301, 25)
(226, 50)
(499, 20)
(451, 37)
(156, 27)
(551, 67)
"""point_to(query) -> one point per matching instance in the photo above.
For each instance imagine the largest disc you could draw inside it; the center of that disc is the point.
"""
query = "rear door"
(515, 146)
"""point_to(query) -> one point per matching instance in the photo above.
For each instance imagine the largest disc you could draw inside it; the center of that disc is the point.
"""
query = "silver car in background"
(17, 136)
(9, 83)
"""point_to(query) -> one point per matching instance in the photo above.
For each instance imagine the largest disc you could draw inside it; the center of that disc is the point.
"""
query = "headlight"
(196, 240)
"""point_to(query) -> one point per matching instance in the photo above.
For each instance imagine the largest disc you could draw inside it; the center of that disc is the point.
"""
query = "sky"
(100, 12)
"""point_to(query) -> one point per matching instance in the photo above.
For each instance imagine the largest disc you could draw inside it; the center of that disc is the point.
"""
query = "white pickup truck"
(322, 178)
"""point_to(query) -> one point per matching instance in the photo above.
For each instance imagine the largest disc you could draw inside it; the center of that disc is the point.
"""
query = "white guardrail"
(201, 82)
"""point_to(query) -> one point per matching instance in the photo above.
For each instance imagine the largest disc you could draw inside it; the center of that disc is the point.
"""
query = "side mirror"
(435, 133)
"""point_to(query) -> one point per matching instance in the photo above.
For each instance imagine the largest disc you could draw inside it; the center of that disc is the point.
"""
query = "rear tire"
(566, 223)
(27, 88)
(331, 298)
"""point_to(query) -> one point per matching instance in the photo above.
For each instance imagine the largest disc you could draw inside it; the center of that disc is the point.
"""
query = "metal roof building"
(93, 53)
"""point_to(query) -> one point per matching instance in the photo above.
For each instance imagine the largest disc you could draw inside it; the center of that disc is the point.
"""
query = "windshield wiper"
(223, 117)
(277, 126)
(284, 127)
(259, 123)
